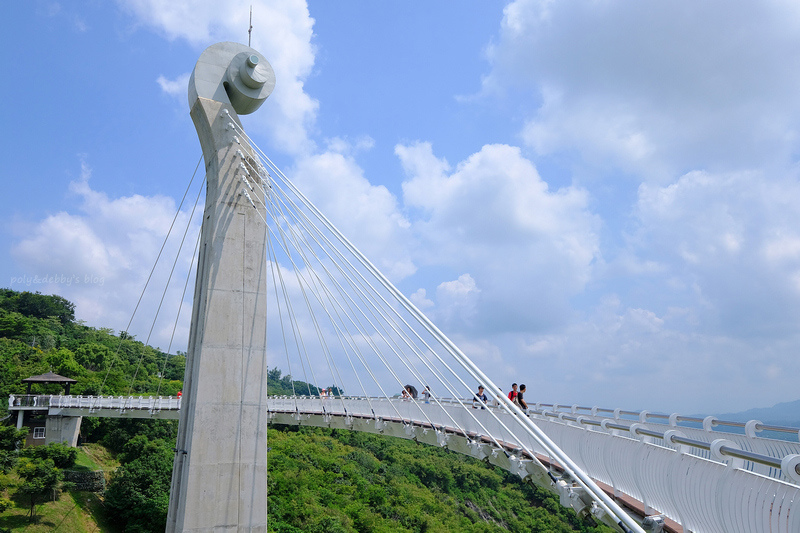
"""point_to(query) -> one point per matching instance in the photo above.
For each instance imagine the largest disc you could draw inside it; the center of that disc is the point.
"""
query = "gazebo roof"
(50, 377)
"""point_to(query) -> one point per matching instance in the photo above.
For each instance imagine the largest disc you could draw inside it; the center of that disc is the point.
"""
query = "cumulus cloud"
(733, 239)
(174, 87)
(101, 256)
(680, 122)
(282, 32)
(622, 356)
(458, 301)
(367, 214)
(654, 88)
(526, 247)
(419, 298)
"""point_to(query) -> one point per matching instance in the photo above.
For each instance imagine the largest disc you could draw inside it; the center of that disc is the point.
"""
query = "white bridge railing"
(759, 454)
(94, 403)
(720, 493)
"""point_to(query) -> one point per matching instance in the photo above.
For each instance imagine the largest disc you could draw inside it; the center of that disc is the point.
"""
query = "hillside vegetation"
(324, 481)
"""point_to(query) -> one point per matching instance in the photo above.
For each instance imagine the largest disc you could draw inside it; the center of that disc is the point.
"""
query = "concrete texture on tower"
(219, 481)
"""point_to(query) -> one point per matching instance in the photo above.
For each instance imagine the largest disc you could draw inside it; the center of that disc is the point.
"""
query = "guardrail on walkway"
(769, 457)
(760, 454)
(94, 403)
(703, 495)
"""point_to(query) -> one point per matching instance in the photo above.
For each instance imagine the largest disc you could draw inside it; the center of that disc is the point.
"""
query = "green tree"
(175, 368)
(42, 306)
(92, 355)
(116, 433)
(329, 480)
(62, 362)
(138, 493)
(15, 326)
(12, 438)
(62, 454)
(5, 503)
(40, 479)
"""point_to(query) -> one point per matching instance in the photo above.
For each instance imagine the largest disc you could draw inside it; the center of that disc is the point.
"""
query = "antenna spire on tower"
(250, 29)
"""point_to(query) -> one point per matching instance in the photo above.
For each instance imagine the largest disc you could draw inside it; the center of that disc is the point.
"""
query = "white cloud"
(419, 299)
(458, 301)
(344, 146)
(100, 259)
(528, 248)
(655, 88)
(628, 360)
(733, 236)
(80, 25)
(368, 215)
(176, 87)
(681, 122)
(282, 31)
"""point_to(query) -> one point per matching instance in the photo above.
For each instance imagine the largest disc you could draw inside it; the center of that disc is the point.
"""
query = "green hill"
(324, 481)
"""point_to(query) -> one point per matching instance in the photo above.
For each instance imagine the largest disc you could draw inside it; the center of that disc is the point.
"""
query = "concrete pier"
(219, 482)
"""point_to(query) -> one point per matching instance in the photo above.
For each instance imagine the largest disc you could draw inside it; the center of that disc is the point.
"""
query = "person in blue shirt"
(480, 398)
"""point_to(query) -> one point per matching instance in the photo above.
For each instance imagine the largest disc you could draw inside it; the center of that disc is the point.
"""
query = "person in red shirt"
(513, 394)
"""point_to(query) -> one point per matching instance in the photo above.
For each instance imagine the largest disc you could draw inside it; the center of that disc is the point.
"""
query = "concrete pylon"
(219, 480)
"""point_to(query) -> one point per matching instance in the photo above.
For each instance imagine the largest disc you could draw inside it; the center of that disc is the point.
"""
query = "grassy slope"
(69, 514)
(73, 512)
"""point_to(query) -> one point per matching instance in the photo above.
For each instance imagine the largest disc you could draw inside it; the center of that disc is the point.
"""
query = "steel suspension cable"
(180, 308)
(166, 286)
(371, 306)
(149, 277)
(289, 303)
(603, 500)
(462, 405)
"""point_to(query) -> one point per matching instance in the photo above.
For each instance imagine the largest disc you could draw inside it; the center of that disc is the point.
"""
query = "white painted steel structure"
(750, 441)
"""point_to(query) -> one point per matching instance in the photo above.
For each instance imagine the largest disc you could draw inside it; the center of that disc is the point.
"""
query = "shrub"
(62, 454)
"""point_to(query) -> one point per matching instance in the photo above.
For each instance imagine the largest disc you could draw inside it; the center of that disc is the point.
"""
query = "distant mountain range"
(780, 414)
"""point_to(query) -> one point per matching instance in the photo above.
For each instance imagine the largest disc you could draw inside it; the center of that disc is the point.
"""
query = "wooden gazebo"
(50, 377)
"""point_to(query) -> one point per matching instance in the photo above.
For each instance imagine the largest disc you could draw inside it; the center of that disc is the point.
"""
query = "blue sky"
(598, 198)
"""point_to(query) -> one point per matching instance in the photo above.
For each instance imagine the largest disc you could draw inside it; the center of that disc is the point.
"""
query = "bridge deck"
(695, 487)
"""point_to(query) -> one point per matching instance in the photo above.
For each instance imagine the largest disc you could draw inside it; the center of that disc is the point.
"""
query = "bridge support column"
(219, 480)
(220, 472)
(62, 429)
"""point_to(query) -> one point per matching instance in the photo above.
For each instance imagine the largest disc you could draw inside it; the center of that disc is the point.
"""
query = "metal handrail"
(45, 401)
(679, 418)
(672, 439)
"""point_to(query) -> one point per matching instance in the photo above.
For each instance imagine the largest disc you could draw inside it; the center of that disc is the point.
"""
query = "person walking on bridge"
(521, 398)
(513, 394)
(480, 398)
(411, 390)
(426, 394)
(496, 399)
